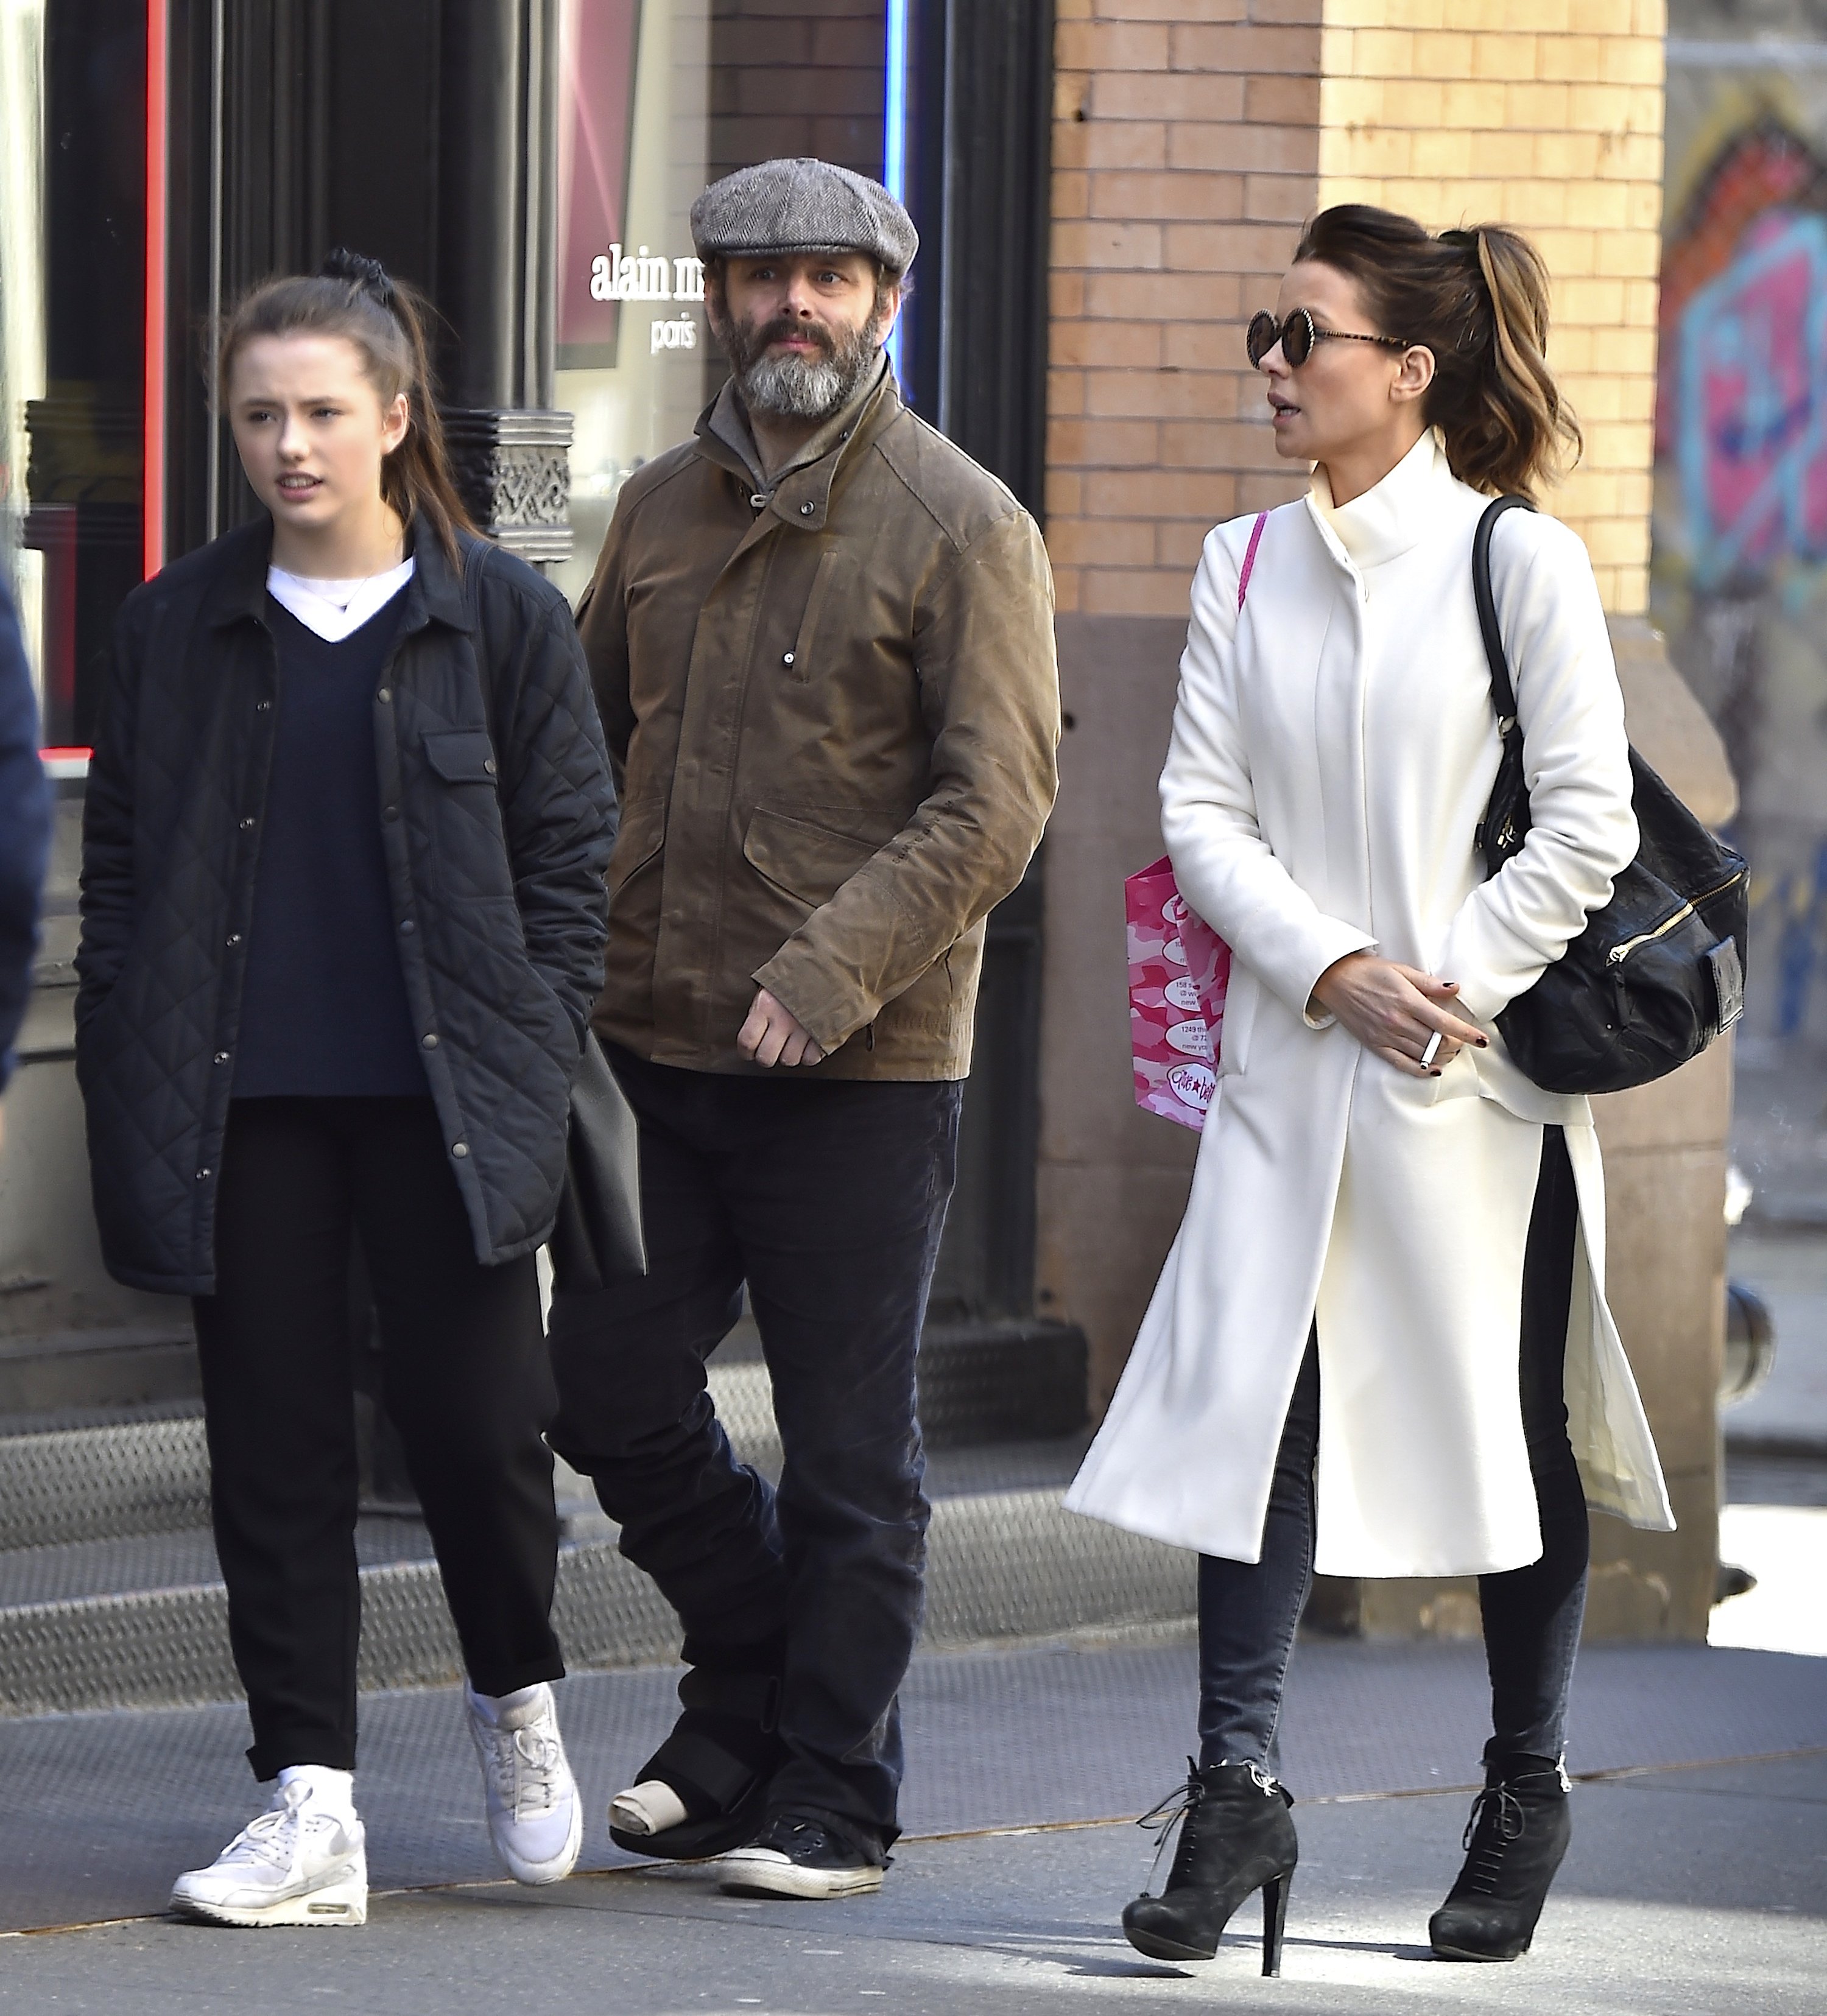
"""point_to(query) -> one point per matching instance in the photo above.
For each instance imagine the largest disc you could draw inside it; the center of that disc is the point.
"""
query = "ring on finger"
(1432, 1051)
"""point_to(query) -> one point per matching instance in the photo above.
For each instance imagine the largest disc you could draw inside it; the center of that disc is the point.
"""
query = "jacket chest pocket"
(462, 817)
(799, 662)
(461, 756)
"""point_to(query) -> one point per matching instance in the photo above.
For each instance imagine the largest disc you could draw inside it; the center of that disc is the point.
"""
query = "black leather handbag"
(598, 1237)
(1659, 971)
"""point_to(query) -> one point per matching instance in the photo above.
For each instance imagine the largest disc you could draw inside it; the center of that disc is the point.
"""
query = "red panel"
(157, 150)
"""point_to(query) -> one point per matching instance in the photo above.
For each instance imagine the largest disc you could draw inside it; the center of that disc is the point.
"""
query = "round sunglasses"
(1299, 334)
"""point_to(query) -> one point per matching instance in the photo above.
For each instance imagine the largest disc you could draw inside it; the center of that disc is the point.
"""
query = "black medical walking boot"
(1514, 1840)
(1235, 1836)
(704, 1790)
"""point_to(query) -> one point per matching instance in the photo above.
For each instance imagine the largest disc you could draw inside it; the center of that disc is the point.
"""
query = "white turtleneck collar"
(1391, 515)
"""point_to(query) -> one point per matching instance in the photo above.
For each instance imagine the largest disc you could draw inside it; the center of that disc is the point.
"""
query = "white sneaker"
(298, 1863)
(536, 1819)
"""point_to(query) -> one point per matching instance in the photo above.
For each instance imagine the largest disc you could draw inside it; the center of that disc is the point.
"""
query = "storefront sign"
(616, 275)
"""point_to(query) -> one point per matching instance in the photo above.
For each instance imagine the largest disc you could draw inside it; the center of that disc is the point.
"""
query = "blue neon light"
(895, 131)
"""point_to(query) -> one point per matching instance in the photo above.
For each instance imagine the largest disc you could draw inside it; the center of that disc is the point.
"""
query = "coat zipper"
(1619, 953)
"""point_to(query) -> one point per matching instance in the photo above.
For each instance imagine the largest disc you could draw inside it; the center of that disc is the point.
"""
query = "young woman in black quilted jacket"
(343, 921)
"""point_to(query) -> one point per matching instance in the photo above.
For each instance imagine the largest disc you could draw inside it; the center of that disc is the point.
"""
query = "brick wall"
(796, 76)
(1186, 153)
(1546, 114)
(1191, 137)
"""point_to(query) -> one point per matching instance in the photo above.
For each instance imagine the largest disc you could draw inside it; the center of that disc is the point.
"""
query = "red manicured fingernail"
(1434, 1072)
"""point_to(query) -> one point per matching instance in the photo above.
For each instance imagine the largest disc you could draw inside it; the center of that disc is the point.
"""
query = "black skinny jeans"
(1248, 1613)
(465, 1379)
(828, 1197)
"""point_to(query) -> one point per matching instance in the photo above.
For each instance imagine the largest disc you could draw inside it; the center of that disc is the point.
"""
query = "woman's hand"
(1396, 1011)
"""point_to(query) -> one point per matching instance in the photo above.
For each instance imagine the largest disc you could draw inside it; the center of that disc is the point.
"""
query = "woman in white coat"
(1380, 1344)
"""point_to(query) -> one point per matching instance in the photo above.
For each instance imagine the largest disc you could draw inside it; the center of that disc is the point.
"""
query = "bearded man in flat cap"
(822, 644)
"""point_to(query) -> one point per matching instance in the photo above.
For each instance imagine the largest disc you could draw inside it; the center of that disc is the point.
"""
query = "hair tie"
(340, 263)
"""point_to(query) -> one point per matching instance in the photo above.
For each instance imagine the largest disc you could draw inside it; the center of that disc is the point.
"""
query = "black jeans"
(828, 1198)
(465, 1379)
(1248, 1613)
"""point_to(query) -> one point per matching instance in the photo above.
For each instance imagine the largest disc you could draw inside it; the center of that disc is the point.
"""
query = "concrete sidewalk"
(1686, 1890)
(1695, 1883)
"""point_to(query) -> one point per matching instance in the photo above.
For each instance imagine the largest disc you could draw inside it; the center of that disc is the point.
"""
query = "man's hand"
(772, 1036)
(1396, 1011)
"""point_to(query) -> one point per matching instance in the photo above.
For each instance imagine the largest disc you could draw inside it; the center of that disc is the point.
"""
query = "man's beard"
(800, 388)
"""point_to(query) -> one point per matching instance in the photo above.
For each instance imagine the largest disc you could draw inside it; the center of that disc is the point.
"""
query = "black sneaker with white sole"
(798, 1854)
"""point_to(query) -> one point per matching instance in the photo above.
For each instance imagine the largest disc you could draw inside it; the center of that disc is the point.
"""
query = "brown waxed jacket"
(833, 712)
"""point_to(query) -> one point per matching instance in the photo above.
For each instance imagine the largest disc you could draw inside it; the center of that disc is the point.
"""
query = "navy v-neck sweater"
(324, 1012)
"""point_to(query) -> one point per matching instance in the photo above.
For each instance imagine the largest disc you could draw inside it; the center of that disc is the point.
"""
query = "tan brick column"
(1191, 138)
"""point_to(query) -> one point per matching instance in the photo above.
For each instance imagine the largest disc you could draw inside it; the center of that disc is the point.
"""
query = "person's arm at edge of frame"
(25, 831)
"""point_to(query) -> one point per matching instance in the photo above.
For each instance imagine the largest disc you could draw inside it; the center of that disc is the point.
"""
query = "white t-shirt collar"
(334, 610)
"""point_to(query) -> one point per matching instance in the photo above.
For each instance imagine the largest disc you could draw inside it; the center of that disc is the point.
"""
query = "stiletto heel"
(1275, 1921)
(1235, 1838)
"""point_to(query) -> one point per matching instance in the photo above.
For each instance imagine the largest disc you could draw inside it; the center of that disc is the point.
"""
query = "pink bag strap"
(1250, 558)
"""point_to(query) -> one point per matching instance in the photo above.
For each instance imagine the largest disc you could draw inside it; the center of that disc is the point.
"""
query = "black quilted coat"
(498, 816)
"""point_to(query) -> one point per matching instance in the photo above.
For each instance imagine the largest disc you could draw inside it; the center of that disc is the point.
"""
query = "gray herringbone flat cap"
(803, 205)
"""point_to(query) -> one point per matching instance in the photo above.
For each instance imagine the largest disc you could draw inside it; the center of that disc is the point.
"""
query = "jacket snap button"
(787, 659)
(247, 826)
(203, 1175)
(384, 695)
(221, 1056)
(234, 938)
(389, 812)
(807, 509)
(263, 706)
(409, 927)
(488, 765)
(429, 1042)
(461, 1149)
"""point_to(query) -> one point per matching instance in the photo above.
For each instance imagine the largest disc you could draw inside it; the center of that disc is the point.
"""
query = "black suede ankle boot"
(1514, 1840)
(1235, 1836)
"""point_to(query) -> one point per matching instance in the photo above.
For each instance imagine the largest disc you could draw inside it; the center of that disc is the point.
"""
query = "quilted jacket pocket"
(461, 755)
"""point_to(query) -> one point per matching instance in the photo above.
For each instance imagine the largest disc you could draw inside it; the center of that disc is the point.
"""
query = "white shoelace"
(525, 1764)
(272, 1836)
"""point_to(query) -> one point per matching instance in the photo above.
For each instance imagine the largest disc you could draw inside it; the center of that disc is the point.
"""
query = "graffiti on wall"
(1741, 517)
(1752, 370)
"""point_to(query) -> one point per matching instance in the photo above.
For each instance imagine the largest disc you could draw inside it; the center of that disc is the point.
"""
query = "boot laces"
(1180, 1808)
(1497, 1818)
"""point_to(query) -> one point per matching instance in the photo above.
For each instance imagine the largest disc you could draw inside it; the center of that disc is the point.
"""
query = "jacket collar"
(1391, 515)
(802, 492)
(433, 594)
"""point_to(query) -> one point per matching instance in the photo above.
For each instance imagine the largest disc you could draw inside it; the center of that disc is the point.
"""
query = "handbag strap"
(1249, 559)
(1502, 688)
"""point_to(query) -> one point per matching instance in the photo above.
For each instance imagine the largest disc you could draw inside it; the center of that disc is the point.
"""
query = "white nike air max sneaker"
(536, 1818)
(298, 1863)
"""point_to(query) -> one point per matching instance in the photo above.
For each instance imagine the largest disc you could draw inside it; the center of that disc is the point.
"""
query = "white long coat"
(1334, 747)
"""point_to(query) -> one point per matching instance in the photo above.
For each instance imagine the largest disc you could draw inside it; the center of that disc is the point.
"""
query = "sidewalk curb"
(1003, 1564)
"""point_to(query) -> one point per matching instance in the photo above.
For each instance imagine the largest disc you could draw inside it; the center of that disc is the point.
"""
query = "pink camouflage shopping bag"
(1179, 970)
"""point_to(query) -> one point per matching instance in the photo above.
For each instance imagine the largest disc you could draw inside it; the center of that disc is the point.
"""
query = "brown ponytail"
(1479, 300)
(355, 298)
